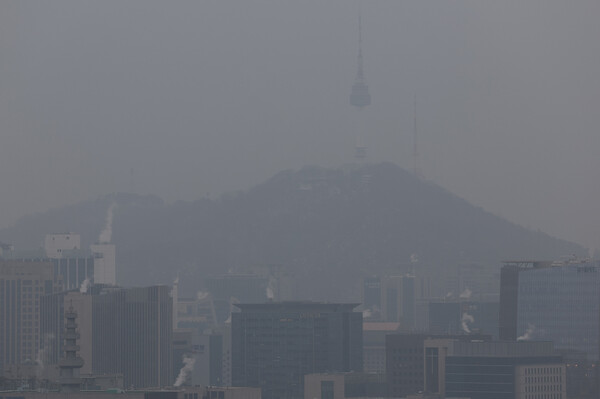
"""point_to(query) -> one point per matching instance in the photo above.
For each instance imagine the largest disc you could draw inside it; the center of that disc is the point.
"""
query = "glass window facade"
(561, 304)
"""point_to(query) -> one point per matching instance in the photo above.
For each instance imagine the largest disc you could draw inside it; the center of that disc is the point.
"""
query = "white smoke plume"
(43, 353)
(466, 294)
(367, 313)
(528, 333)
(465, 321)
(85, 285)
(202, 295)
(188, 366)
(106, 234)
(269, 290)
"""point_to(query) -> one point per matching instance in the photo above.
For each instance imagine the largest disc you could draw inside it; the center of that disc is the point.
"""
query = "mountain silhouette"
(324, 228)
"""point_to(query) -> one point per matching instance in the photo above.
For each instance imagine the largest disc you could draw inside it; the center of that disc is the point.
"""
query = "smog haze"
(185, 99)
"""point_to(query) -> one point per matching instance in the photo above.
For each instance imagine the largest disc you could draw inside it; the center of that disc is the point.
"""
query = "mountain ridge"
(326, 227)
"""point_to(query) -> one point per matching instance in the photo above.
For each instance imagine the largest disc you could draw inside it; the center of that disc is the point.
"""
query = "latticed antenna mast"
(415, 153)
(360, 96)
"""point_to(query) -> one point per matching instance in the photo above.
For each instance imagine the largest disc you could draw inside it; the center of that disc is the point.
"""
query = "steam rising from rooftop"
(528, 333)
(106, 234)
(465, 321)
(188, 367)
(85, 285)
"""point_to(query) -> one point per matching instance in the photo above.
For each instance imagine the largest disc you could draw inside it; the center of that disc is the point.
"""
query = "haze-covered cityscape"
(299, 200)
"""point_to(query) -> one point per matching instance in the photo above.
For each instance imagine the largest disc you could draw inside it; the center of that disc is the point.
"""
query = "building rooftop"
(297, 306)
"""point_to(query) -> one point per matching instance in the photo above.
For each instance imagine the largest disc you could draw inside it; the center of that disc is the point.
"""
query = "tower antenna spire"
(360, 91)
(415, 153)
(360, 97)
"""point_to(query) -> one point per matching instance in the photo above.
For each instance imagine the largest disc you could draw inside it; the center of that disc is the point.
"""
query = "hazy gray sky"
(185, 98)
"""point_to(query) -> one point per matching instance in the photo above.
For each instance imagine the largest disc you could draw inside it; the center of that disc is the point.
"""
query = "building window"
(327, 390)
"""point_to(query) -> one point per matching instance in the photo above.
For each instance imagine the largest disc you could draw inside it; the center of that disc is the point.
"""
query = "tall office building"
(405, 360)
(275, 344)
(499, 370)
(552, 301)
(133, 335)
(21, 286)
(124, 331)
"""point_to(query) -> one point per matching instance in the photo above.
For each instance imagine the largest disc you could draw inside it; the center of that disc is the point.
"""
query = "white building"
(105, 270)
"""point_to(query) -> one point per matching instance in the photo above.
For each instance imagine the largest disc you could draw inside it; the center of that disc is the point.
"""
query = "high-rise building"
(21, 286)
(275, 344)
(552, 301)
(133, 335)
(124, 331)
(500, 370)
(405, 360)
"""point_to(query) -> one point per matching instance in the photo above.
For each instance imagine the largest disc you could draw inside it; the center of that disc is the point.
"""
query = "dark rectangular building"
(405, 360)
(494, 370)
(275, 344)
(132, 331)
